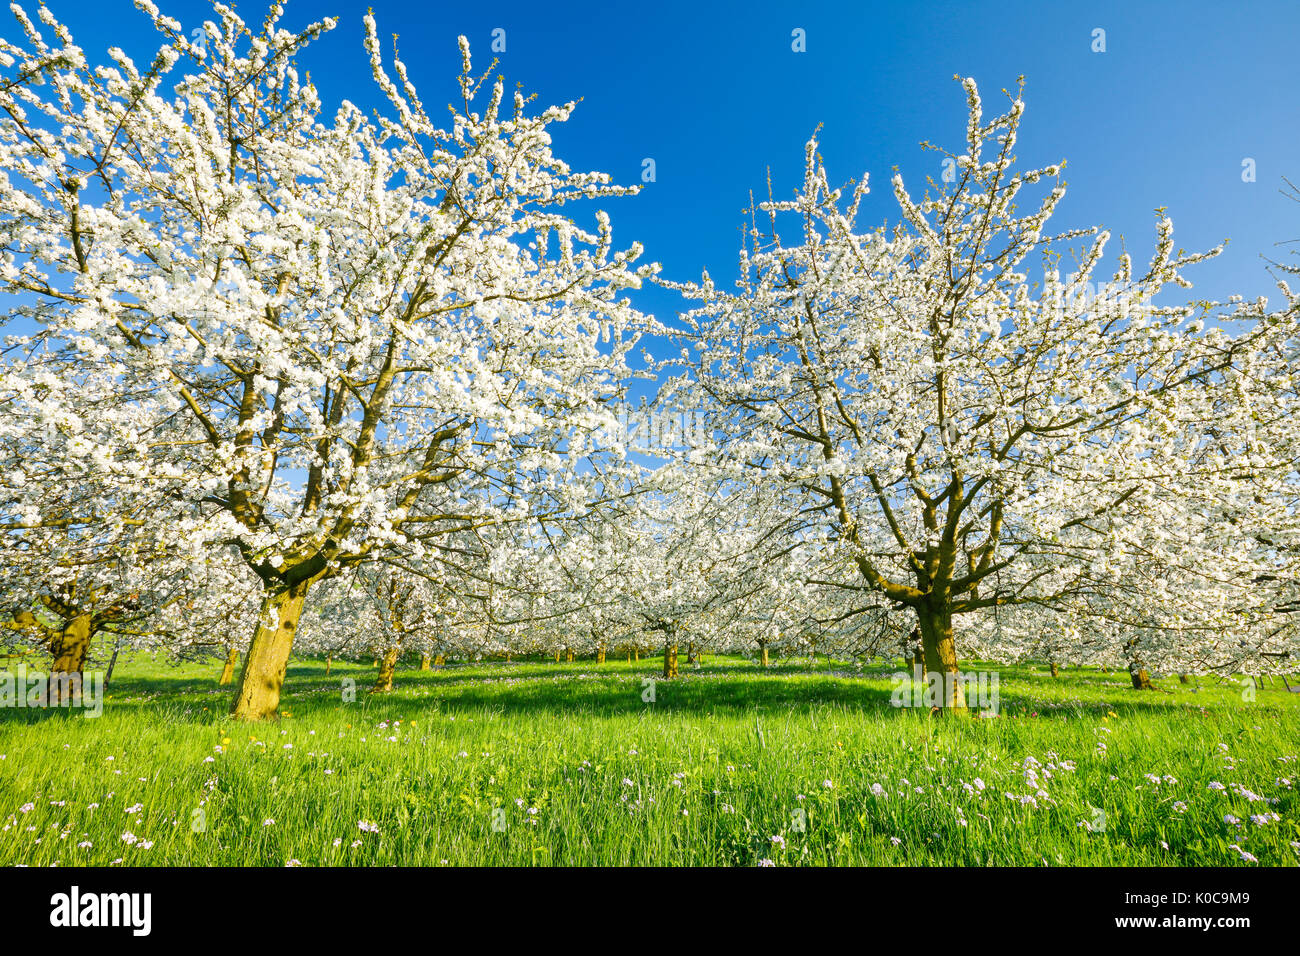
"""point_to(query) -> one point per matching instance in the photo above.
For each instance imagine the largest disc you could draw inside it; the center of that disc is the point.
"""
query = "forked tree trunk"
(257, 696)
(941, 655)
(387, 668)
(568, 655)
(670, 660)
(228, 671)
(70, 650)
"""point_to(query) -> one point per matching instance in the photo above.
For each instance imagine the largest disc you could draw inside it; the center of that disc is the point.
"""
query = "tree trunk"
(112, 662)
(440, 660)
(568, 655)
(690, 653)
(70, 650)
(228, 672)
(257, 697)
(1056, 671)
(940, 650)
(670, 660)
(387, 668)
(1183, 679)
(1137, 671)
(425, 661)
(917, 658)
(764, 659)
(329, 660)
(600, 653)
(72, 646)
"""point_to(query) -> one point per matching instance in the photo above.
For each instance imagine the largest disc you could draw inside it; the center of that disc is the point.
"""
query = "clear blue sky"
(714, 94)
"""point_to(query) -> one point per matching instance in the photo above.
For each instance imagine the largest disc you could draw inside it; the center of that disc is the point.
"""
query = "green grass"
(574, 768)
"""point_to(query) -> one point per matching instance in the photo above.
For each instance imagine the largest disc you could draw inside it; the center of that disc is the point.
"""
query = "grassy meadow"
(545, 763)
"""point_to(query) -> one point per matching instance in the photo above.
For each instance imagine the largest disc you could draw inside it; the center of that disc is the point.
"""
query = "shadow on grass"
(190, 694)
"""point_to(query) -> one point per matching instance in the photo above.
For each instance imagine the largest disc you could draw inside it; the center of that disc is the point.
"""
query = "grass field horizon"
(541, 762)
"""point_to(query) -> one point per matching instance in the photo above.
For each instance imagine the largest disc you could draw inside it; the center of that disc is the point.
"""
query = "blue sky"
(714, 93)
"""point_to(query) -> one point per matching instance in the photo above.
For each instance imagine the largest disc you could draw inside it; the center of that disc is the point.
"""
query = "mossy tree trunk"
(70, 649)
(387, 669)
(670, 658)
(72, 646)
(940, 649)
(257, 696)
(228, 671)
